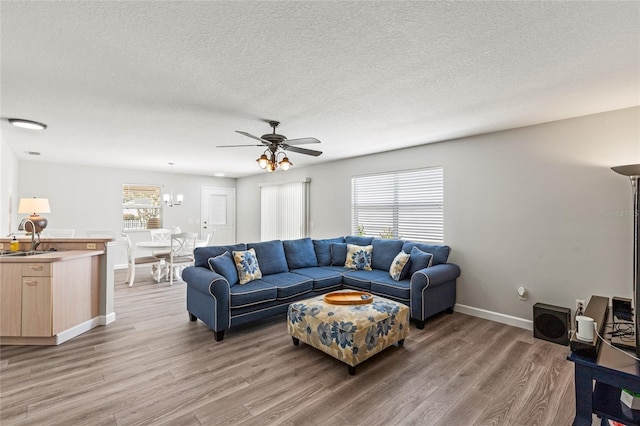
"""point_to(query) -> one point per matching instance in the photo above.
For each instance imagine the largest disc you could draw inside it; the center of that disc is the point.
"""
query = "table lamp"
(34, 206)
(633, 172)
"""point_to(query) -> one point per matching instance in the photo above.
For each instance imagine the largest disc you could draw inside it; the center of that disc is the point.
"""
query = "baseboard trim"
(77, 330)
(107, 319)
(494, 316)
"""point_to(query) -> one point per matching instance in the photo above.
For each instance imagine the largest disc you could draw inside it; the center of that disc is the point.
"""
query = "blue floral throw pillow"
(358, 257)
(400, 266)
(247, 266)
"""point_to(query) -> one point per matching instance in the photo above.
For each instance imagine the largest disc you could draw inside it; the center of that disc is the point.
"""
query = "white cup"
(585, 328)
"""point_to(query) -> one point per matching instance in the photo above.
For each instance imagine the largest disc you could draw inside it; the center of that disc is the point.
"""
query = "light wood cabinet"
(10, 299)
(39, 300)
(36, 300)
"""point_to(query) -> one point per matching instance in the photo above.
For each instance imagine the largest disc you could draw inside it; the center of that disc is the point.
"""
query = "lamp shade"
(34, 205)
(628, 170)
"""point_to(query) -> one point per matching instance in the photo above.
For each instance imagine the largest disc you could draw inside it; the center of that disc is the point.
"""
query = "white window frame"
(407, 204)
(141, 202)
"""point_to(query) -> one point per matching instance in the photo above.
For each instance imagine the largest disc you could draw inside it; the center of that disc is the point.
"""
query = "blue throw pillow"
(338, 253)
(440, 252)
(300, 253)
(384, 251)
(271, 256)
(323, 250)
(225, 266)
(358, 240)
(202, 254)
(419, 260)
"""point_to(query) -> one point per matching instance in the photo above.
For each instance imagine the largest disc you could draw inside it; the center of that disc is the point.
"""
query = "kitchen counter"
(51, 256)
(48, 298)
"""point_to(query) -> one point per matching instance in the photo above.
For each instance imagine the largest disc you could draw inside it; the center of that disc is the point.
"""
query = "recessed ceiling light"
(218, 174)
(27, 124)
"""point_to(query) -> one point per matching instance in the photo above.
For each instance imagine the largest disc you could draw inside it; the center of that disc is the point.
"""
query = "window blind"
(405, 204)
(284, 211)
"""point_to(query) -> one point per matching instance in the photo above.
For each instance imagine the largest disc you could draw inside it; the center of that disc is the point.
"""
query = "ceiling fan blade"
(235, 146)
(302, 141)
(254, 137)
(306, 151)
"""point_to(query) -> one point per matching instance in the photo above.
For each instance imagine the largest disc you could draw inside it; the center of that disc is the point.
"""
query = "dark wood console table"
(611, 371)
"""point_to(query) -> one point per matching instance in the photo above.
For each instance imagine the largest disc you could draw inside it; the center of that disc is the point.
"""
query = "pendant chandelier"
(168, 199)
(271, 159)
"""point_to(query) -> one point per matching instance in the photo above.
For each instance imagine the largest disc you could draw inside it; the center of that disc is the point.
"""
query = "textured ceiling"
(140, 84)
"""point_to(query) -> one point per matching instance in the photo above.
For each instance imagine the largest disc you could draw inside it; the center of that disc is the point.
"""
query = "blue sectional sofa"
(296, 269)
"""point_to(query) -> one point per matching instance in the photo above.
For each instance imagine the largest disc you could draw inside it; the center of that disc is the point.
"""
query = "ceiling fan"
(276, 144)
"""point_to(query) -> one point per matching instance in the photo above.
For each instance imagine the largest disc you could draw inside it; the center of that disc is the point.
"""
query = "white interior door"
(219, 215)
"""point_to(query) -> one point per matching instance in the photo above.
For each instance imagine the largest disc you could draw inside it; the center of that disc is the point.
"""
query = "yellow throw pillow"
(358, 257)
(399, 266)
(247, 266)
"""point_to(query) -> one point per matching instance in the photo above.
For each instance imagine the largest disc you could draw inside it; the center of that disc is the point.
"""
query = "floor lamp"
(633, 171)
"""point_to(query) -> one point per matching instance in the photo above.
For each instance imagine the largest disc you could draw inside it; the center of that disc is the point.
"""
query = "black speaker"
(551, 323)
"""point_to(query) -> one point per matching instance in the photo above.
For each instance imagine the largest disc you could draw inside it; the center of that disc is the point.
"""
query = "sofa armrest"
(434, 276)
(208, 284)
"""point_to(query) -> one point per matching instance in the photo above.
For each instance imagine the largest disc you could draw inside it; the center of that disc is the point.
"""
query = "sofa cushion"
(300, 253)
(225, 266)
(358, 257)
(384, 251)
(440, 253)
(289, 284)
(362, 279)
(358, 240)
(202, 254)
(400, 266)
(271, 256)
(338, 254)
(387, 286)
(247, 266)
(323, 250)
(252, 293)
(323, 277)
(419, 260)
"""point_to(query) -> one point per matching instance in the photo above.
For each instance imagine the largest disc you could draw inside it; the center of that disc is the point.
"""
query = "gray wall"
(536, 206)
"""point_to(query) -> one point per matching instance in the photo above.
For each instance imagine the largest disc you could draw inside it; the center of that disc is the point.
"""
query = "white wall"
(536, 206)
(8, 189)
(83, 197)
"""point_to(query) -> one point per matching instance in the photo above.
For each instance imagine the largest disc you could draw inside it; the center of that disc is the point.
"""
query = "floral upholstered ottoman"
(349, 333)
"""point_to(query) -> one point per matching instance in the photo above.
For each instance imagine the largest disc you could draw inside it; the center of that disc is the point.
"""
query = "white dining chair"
(181, 255)
(160, 234)
(134, 262)
(206, 241)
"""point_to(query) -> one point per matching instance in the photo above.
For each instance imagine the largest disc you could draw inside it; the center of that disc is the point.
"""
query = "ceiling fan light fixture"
(285, 164)
(263, 161)
(271, 167)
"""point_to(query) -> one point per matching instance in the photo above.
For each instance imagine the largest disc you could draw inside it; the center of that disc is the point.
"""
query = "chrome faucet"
(21, 227)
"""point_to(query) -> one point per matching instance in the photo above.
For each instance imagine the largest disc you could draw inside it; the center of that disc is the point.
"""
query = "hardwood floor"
(154, 366)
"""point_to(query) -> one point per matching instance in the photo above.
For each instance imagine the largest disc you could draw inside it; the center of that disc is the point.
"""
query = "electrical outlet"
(579, 307)
(91, 246)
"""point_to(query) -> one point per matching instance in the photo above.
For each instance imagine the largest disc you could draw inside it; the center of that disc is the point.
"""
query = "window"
(406, 204)
(284, 210)
(141, 207)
